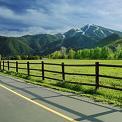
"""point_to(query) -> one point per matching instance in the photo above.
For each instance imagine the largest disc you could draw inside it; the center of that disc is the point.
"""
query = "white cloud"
(64, 14)
(6, 13)
(31, 16)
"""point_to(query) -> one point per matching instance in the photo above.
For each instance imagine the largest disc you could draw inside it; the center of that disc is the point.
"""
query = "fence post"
(17, 66)
(0, 65)
(8, 65)
(97, 74)
(28, 68)
(42, 70)
(63, 72)
(3, 65)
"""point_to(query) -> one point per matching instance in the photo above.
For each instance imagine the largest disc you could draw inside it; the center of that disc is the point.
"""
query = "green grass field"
(103, 94)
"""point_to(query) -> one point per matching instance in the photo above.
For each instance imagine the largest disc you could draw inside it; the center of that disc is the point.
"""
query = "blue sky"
(21, 17)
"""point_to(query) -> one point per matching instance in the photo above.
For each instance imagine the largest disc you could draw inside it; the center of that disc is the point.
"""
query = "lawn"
(103, 94)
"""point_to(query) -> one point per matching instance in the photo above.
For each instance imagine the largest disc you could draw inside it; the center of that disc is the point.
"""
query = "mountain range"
(89, 36)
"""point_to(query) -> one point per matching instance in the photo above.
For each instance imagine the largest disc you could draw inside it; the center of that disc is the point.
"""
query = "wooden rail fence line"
(97, 75)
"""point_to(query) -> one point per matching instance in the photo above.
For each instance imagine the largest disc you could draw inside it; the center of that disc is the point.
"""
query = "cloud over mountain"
(20, 17)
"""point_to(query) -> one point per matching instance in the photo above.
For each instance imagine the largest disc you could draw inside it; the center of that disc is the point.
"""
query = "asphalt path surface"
(23, 102)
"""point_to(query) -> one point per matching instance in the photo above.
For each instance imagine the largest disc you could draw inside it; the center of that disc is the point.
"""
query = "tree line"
(22, 57)
(63, 53)
(96, 53)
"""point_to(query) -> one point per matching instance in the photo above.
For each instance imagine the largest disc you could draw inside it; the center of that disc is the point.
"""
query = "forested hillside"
(87, 37)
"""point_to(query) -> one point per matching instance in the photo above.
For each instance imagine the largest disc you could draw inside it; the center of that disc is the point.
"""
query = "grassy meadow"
(104, 95)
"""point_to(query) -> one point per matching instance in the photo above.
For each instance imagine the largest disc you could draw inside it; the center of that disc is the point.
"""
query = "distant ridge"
(89, 36)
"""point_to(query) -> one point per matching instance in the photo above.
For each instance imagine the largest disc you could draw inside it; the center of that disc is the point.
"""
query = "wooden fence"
(97, 75)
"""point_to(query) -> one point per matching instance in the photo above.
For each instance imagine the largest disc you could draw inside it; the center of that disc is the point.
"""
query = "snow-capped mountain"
(93, 31)
(87, 36)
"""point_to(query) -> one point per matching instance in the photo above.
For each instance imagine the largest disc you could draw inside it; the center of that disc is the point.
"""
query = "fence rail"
(42, 71)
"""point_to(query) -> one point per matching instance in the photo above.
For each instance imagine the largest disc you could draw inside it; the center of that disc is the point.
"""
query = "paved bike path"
(14, 108)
